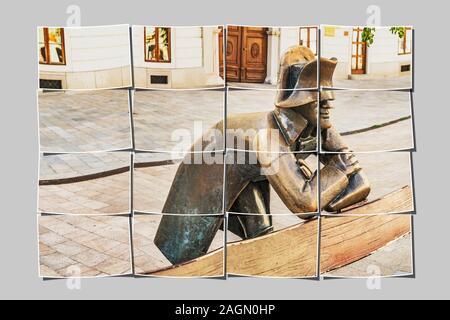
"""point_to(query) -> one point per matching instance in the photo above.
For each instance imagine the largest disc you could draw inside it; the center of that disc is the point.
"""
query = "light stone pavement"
(395, 259)
(386, 171)
(84, 121)
(89, 246)
(66, 166)
(108, 195)
(161, 117)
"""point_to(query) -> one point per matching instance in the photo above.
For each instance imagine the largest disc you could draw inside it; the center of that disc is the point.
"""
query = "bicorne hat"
(298, 73)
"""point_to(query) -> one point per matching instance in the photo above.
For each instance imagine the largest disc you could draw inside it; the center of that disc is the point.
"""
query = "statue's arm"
(358, 187)
(292, 179)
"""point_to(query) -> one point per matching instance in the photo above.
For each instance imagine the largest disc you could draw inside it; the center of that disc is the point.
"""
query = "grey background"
(19, 141)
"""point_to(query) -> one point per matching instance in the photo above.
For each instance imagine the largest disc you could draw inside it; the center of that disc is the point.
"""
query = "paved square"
(163, 119)
(73, 246)
(84, 121)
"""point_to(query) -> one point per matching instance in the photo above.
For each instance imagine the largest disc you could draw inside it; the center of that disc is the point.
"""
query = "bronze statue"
(197, 188)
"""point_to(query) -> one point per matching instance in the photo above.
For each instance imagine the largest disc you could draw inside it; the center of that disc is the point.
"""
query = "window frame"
(404, 40)
(308, 40)
(47, 48)
(169, 46)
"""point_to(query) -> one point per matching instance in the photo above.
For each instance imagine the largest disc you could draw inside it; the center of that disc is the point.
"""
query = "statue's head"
(298, 73)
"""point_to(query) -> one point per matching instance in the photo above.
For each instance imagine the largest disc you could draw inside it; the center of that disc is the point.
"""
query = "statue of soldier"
(197, 189)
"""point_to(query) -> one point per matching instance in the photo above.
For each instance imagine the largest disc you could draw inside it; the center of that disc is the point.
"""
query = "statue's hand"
(332, 141)
(357, 190)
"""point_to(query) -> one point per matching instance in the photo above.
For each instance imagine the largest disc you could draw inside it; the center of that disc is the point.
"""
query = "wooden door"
(254, 55)
(359, 52)
(246, 54)
(233, 53)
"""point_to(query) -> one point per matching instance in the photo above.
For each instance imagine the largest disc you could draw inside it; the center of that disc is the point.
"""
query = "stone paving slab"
(84, 246)
(395, 259)
(66, 166)
(108, 195)
(398, 136)
(386, 171)
(158, 115)
(84, 121)
(354, 110)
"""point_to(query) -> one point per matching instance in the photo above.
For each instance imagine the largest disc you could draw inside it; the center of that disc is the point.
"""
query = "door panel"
(254, 55)
(246, 54)
(233, 53)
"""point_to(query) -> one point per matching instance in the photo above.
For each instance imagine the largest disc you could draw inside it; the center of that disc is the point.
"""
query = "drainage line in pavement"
(377, 126)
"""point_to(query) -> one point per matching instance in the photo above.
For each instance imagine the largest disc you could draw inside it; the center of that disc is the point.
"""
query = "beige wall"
(383, 59)
(96, 57)
(194, 59)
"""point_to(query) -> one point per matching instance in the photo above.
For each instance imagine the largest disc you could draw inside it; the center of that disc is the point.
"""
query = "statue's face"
(310, 113)
(324, 112)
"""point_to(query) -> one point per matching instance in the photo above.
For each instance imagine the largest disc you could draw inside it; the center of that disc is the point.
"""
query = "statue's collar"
(290, 123)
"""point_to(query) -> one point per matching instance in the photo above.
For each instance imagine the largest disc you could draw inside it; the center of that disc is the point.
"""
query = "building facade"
(388, 55)
(85, 57)
(177, 57)
(253, 53)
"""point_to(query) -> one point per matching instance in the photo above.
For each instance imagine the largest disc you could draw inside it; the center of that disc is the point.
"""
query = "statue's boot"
(254, 200)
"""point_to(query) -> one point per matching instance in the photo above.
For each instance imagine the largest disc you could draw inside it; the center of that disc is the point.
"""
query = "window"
(157, 44)
(308, 38)
(51, 46)
(405, 43)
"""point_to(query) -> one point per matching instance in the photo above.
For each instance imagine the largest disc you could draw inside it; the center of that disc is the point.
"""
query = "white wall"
(382, 56)
(279, 40)
(288, 37)
(194, 59)
(94, 48)
(96, 57)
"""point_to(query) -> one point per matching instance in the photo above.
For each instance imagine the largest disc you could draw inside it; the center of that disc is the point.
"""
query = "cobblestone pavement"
(398, 136)
(84, 121)
(161, 116)
(65, 166)
(84, 246)
(392, 260)
(386, 171)
(108, 195)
